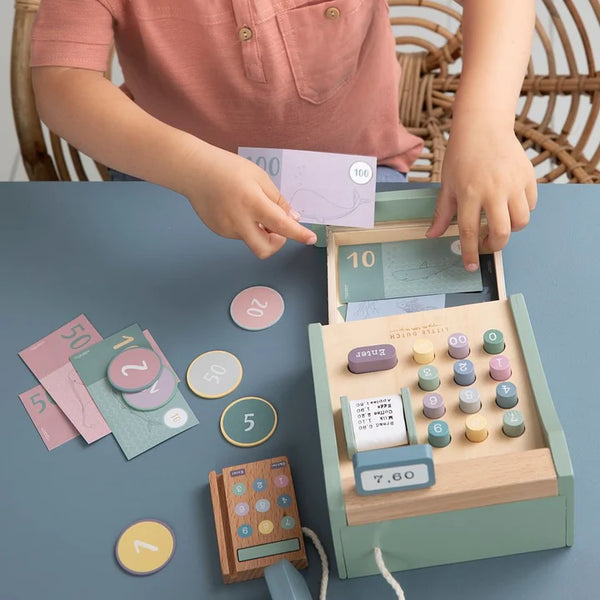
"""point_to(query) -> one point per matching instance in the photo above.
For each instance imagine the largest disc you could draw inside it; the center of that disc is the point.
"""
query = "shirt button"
(332, 12)
(245, 34)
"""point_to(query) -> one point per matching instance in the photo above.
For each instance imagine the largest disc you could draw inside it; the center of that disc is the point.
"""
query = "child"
(203, 77)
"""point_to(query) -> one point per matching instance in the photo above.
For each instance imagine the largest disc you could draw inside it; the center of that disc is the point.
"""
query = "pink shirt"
(303, 74)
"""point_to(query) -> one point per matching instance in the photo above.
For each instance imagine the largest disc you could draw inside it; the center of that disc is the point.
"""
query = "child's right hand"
(236, 199)
(233, 196)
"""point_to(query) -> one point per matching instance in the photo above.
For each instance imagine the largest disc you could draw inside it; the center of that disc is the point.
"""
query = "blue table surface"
(128, 252)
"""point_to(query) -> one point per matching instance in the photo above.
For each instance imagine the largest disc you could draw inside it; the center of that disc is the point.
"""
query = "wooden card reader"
(256, 518)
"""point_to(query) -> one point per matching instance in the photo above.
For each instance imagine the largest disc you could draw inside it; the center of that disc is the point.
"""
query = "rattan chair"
(429, 49)
(60, 162)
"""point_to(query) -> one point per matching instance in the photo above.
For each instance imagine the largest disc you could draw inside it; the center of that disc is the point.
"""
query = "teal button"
(438, 434)
(239, 489)
(259, 485)
(493, 341)
(506, 394)
(284, 500)
(244, 531)
(429, 378)
(288, 523)
(513, 424)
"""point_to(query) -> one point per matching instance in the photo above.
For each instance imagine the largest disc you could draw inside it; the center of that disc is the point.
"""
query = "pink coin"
(257, 308)
(134, 369)
(155, 396)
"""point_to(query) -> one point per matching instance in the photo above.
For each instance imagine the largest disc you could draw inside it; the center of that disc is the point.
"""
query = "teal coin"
(248, 421)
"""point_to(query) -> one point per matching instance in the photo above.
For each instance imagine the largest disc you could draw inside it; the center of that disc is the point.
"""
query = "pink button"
(281, 481)
(134, 369)
(257, 308)
(500, 368)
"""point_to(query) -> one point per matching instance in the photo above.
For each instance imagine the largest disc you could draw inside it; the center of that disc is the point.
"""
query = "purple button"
(366, 359)
(458, 346)
(500, 368)
(433, 406)
(242, 509)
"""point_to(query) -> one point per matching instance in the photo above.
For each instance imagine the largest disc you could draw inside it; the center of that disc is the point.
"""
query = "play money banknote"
(372, 309)
(48, 360)
(323, 187)
(402, 269)
(135, 431)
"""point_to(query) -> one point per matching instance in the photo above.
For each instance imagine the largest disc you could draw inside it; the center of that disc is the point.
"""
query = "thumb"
(445, 210)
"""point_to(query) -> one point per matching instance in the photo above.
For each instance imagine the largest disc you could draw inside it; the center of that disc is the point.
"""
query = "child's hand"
(485, 168)
(236, 199)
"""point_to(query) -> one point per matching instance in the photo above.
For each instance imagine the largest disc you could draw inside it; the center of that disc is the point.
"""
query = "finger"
(531, 191)
(499, 226)
(284, 205)
(261, 242)
(275, 196)
(469, 221)
(275, 220)
(445, 209)
(519, 211)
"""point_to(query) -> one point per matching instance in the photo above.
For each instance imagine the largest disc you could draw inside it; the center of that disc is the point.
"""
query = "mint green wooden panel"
(551, 426)
(456, 536)
(405, 205)
(329, 453)
(398, 205)
(409, 417)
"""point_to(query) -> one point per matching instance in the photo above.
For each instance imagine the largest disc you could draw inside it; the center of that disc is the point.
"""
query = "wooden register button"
(366, 359)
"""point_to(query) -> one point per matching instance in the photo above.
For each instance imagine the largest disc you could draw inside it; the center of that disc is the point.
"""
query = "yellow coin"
(145, 547)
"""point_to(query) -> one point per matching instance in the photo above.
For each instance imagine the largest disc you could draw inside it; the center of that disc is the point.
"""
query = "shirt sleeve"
(72, 33)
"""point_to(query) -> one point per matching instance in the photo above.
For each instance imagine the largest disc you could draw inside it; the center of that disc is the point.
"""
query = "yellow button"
(423, 351)
(332, 12)
(265, 527)
(245, 34)
(476, 428)
(145, 547)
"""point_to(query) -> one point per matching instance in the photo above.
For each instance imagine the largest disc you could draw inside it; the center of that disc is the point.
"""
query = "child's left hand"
(485, 169)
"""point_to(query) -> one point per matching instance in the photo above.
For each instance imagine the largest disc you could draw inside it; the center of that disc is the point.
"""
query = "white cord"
(387, 575)
(324, 563)
(309, 533)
